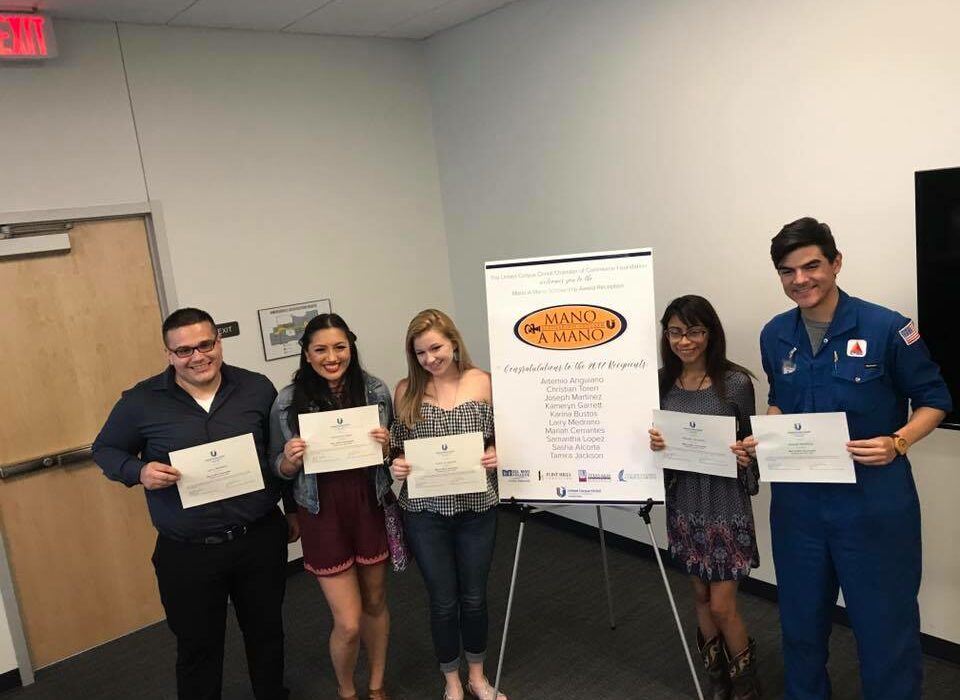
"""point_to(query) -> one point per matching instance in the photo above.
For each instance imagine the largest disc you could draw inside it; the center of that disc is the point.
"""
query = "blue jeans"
(454, 555)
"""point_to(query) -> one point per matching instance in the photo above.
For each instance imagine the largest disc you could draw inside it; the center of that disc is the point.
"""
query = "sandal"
(485, 692)
(379, 694)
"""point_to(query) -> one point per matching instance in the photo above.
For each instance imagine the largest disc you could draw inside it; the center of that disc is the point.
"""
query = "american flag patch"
(909, 333)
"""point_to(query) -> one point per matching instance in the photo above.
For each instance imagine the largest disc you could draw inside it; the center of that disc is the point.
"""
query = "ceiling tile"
(447, 15)
(362, 17)
(407, 19)
(142, 11)
(247, 14)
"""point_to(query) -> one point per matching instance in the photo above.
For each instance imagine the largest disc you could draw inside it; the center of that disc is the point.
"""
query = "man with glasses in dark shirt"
(235, 547)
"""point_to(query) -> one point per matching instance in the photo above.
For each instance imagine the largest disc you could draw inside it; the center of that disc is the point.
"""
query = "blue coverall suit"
(863, 537)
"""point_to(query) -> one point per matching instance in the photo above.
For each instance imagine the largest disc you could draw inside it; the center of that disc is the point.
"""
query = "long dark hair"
(311, 391)
(694, 310)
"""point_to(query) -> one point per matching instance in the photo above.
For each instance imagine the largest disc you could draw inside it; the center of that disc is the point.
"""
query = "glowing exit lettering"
(26, 36)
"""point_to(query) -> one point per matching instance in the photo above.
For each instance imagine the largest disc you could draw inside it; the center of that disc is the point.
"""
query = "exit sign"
(25, 36)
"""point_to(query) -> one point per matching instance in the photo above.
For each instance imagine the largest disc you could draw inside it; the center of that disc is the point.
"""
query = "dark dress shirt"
(157, 417)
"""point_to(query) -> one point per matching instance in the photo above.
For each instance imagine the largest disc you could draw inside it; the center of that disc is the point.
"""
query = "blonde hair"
(408, 407)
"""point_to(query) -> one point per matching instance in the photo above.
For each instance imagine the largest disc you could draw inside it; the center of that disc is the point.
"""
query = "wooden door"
(77, 329)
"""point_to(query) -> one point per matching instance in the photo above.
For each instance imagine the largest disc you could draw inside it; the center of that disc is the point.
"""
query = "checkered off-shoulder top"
(468, 417)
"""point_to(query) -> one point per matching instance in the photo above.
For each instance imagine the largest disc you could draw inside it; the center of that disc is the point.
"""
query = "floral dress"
(709, 518)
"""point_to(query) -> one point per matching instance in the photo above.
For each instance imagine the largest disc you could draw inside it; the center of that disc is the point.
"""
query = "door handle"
(59, 459)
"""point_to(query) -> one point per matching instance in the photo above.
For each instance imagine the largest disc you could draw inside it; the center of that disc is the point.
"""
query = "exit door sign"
(25, 36)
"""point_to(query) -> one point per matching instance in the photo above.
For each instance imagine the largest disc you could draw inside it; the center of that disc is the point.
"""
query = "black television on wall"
(938, 274)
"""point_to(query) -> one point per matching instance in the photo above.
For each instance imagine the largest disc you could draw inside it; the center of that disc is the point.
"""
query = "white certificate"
(445, 466)
(338, 440)
(217, 470)
(804, 448)
(697, 443)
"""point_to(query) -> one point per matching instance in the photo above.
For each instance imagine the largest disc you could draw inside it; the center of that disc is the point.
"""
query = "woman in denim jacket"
(340, 513)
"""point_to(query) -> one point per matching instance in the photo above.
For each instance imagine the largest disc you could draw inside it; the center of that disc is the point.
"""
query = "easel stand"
(644, 514)
(606, 568)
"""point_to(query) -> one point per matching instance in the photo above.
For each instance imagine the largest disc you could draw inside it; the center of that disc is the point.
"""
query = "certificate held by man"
(696, 443)
(804, 448)
(340, 440)
(217, 470)
(445, 466)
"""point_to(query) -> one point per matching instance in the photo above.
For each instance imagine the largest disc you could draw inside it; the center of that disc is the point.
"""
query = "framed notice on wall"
(573, 353)
(282, 326)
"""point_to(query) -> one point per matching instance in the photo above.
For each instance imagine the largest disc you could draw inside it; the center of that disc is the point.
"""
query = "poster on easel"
(573, 355)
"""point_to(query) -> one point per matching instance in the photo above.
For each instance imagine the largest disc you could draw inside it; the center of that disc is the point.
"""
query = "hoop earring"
(456, 356)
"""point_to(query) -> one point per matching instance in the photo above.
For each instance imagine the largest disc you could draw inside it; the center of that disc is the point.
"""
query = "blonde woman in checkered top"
(452, 537)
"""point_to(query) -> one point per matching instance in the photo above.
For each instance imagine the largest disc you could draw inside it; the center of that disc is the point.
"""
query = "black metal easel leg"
(606, 569)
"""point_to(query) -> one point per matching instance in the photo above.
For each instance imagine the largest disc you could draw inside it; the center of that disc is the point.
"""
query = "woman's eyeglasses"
(695, 334)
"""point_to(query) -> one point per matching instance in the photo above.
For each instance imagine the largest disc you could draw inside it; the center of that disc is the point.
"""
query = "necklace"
(697, 388)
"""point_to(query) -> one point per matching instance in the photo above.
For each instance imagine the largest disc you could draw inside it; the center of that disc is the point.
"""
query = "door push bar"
(78, 454)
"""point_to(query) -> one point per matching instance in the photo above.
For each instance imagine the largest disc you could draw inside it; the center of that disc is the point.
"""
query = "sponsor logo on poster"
(624, 476)
(516, 474)
(554, 476)
(570, 327)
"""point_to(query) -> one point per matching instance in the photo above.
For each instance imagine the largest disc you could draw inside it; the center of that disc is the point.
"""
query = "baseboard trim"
(10, 680)
(932, 646)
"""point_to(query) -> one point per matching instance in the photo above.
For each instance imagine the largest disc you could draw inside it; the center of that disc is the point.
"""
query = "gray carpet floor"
(560, 645)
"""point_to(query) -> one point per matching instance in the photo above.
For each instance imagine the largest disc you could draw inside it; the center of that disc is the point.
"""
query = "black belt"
(222, 536)
(234, 533)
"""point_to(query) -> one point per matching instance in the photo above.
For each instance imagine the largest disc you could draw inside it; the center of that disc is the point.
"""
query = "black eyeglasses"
(185, 351)
(695, 333)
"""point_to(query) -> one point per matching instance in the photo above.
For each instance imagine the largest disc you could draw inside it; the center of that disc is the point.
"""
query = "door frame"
(152, 213)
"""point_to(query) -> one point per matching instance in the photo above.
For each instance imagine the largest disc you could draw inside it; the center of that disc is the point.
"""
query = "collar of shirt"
(845, 319)
(167, 383)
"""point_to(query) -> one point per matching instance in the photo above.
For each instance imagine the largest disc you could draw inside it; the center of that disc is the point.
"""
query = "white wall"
(293, 168)
(69, 137)
(699, 128)
(288, 168)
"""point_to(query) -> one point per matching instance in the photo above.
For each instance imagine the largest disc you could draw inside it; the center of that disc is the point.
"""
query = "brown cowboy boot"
(743, 674)
(715, 662)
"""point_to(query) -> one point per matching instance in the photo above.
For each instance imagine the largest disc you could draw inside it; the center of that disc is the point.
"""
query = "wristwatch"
(900, 444)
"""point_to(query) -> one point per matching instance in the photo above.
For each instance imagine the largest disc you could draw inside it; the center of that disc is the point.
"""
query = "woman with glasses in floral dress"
(710, 518)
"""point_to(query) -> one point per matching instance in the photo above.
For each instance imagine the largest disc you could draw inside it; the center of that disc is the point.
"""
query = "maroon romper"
(348, 530)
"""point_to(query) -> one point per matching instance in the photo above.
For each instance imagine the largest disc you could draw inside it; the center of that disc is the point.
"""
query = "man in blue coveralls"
(835, 352)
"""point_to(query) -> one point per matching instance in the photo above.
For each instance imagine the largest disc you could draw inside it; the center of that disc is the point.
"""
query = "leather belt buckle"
(235, 532)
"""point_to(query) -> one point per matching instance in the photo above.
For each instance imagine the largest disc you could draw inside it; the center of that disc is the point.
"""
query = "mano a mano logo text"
(570, 327)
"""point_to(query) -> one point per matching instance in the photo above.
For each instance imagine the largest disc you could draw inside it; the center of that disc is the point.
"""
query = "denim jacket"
(305, 487)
